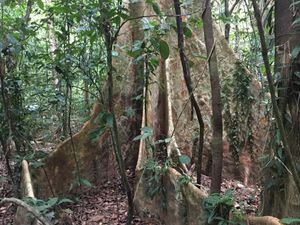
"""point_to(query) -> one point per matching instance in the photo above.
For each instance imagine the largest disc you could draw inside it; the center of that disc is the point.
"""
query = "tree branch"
(233, 7)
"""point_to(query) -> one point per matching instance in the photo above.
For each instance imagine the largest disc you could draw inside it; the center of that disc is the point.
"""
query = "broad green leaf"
(184, 159)
(115, 53)
(295, 52)
(142, 136)
(138, 97)
(68, 211)
(3, 179)
(147, 132)
(42, 208)
(11, 39)
(156, 8)
(147, 129)
(130, 112)
(96, 133)
(109, 120)
(168, 140)
(36, 164)
(124, 16)
(52, 201)
(297, 74)
(85, 182)
(50, 215)
(289, 220)
(64, 200)
(164, 49)
(296, 22)
(295, 3)
(187, 31)
(40, 4)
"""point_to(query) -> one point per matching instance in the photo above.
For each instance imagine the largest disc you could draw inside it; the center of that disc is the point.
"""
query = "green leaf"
(86, 182)
(11, 39)
(68, 211)
(156, 8)
(164, 49)
(295, 52)
(130, 112)
(168, 140)
(115, 53)
(184, 159)
(147, 129)
(297, 74)
(36, 164)
(296, 21)
(141, 137)
(96, 133)
(187, 31)
(147, 132)
(110, 120)
(3, 179)
(124, 16)
(40, 4)
(289, 220)
(64, 200)
(294, 3)
(51, 202)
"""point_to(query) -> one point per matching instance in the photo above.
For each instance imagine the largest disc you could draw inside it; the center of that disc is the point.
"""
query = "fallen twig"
(29, 208)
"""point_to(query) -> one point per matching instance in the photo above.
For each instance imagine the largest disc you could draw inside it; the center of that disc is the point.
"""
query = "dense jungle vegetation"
(149, 112)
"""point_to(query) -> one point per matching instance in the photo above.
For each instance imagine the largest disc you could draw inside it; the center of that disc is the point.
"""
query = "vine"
(238, 104)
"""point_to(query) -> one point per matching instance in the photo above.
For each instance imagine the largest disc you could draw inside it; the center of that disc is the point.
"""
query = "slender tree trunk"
(109, 42)
(188, 82)
(11, 97)
(65, 115)
(228, 13)
(227, 16)
(86, 97)
(217, 145)
(52, 48)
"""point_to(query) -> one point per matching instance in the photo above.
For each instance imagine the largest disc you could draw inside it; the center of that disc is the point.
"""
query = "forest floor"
(107, 203)
(100, 205)
(6, 191)
(245, 198)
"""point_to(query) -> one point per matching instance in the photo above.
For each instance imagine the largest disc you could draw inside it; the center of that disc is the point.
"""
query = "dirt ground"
(107, 203)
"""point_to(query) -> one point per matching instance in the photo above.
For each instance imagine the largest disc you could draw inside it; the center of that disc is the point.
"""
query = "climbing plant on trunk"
(286, 108)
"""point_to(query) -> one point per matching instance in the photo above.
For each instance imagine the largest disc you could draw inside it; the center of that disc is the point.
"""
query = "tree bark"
(288, 202)
(227, 24)
(188, 82)
(217, 124)
(136, 9)
(109, 42)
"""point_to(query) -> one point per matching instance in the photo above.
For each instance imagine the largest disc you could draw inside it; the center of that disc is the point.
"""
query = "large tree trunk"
(60, 165)
(81, 157)
(135, 100)
(283, 200)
